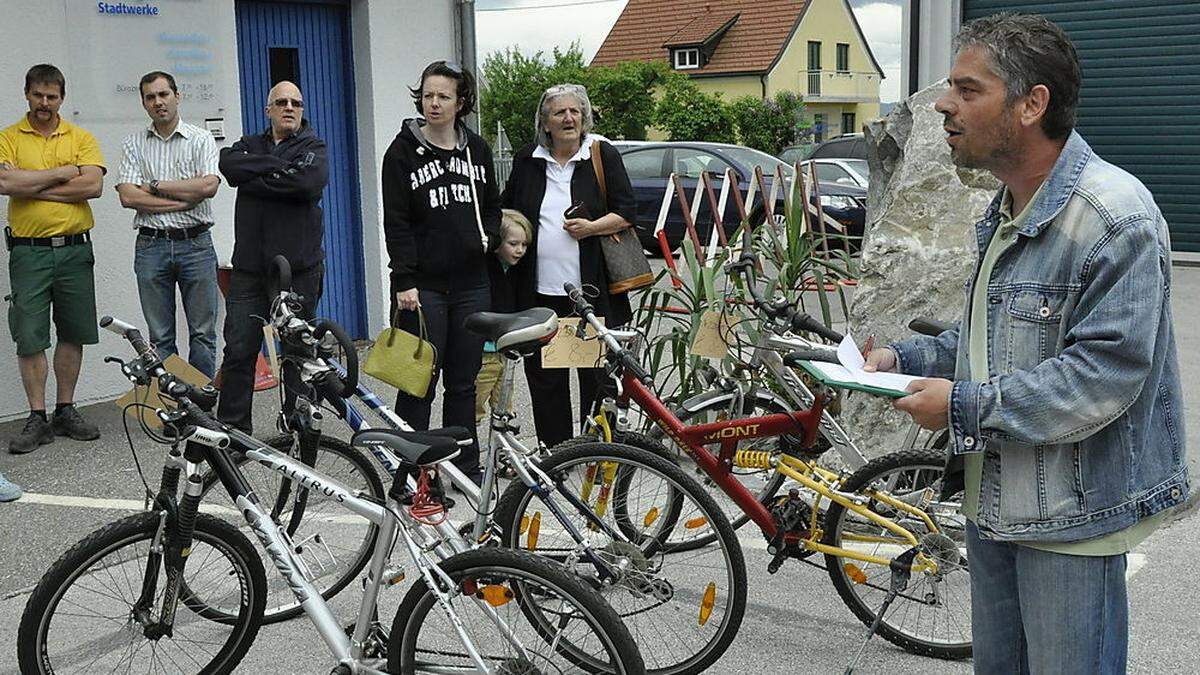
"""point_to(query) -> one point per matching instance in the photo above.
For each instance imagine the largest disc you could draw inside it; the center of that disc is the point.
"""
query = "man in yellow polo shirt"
(50, 168)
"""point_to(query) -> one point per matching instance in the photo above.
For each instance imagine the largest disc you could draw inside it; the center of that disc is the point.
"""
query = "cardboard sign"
(714, 334)
(567, 351)
(149, 395)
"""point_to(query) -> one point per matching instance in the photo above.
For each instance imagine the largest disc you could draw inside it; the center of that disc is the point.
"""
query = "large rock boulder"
(919, 248)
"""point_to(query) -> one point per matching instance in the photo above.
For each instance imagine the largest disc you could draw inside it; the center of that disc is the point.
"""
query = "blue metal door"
(309, 43)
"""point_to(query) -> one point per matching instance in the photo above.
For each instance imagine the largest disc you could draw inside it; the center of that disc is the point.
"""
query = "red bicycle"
(885, 531)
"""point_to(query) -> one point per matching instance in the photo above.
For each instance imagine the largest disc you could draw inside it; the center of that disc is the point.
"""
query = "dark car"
(850, 146)
(650, 165)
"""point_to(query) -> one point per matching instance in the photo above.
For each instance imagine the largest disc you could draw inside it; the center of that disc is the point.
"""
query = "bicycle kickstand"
(901, 567)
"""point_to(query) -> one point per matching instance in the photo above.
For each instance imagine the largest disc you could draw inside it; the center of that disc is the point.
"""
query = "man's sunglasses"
(284, 102)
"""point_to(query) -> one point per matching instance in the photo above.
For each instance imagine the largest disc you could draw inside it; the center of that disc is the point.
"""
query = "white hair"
(579, 93)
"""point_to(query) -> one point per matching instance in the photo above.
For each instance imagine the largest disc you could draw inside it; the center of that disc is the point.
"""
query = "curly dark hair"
(464, 78)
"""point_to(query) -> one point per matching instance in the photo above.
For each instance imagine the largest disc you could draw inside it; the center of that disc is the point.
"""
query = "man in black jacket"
(279, 175)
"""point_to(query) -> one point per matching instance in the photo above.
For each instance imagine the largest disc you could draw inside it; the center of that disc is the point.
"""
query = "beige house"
(759, 47)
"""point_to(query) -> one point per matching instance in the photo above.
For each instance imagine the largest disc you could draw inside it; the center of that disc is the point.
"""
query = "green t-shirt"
(977, 350)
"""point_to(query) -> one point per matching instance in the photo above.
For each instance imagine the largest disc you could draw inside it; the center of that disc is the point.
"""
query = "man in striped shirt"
(168, 176)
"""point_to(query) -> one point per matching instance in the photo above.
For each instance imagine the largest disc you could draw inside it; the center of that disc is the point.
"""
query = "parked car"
(838, 170)
(650, 165)
(796, 153)
(848, 146)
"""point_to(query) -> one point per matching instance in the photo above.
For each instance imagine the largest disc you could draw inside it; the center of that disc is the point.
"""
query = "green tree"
(623, 97)
(768, 125)
(513, 85)
(687, 114)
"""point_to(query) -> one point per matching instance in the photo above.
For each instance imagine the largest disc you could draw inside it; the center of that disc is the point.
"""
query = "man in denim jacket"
(1060, 385)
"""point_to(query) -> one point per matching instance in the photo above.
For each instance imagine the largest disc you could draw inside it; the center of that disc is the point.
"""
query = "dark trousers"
(459, 354)
(550, 390)
(248, 298)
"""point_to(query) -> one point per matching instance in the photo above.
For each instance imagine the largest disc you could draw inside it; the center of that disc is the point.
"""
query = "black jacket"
(500, 280)
(429, 225)
(278, 210)
(524, 192)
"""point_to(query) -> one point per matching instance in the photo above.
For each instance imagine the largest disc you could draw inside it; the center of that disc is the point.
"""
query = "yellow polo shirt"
(24, 147)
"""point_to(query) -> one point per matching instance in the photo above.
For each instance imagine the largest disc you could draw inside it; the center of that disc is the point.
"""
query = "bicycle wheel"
(335, 543)
(683, 609)
(81, 617)
(763, 483)
(521, 614)
(932, 616)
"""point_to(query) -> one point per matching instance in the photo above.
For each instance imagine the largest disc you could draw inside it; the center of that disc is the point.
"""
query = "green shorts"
(42, 277)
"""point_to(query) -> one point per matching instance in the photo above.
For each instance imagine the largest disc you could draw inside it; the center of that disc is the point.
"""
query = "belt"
(52, 242)
(174, 234)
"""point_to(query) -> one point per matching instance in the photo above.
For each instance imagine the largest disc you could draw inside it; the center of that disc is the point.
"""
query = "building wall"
(730, 87)
(828, 22)
(102, 57)
(936, 24)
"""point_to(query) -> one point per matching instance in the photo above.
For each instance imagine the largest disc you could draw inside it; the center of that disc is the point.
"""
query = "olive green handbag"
(402, 359)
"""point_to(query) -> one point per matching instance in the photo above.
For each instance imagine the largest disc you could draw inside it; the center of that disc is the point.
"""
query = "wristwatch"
(154, 187)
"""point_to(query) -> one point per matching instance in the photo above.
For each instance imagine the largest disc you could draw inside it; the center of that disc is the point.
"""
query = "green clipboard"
(839, 384)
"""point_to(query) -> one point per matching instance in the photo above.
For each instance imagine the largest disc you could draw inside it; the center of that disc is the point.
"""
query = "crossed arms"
(66, 184)
(173, 195)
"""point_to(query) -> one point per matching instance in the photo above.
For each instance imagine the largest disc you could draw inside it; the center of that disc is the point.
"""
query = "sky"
(542, 25)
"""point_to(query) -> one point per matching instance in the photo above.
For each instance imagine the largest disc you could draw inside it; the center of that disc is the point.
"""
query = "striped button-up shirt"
(189, 152)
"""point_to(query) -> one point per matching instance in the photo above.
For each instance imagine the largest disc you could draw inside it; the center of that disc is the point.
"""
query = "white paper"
(851, 369)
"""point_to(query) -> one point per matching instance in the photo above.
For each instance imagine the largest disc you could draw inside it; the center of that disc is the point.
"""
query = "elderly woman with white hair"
(553, 183)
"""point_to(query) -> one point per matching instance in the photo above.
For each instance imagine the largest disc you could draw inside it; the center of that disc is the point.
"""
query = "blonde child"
(516, 233)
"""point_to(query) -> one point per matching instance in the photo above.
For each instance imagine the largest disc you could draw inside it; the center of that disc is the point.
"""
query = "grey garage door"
(1140, 102)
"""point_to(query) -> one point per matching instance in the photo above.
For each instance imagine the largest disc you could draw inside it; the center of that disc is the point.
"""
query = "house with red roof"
(814, 48)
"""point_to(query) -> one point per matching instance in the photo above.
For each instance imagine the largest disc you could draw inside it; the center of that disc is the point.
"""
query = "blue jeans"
(159, 265)
(1040, 612)
(459, 355)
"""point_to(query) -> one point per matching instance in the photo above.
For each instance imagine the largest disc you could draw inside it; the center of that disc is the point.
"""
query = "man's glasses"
(285, 102)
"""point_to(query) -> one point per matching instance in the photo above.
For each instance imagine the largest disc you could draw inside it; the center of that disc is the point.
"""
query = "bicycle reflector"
(697, 522)
(855, 573)
(706, 605)
(535, 527)
(495, 595)
(651, 516)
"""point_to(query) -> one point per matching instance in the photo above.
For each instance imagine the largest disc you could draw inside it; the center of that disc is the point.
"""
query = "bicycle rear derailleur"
(791, 515)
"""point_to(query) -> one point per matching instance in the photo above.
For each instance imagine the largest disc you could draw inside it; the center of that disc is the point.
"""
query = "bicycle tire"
(529, 582)
(314, 523)
(66, 575)
(953, 612)
(652, 499)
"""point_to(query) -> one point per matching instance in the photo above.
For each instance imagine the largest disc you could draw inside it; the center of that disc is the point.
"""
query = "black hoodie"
(433, 240)
(278, 210)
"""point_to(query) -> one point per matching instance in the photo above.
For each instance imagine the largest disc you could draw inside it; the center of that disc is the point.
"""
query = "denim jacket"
(1081, 421)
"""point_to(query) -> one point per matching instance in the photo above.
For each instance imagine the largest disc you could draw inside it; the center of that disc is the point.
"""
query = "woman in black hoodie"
(441, 211)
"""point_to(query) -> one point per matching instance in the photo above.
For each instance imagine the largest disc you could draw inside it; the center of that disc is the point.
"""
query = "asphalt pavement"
(795, 622)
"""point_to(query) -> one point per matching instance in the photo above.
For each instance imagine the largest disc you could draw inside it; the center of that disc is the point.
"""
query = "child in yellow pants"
(516, 233)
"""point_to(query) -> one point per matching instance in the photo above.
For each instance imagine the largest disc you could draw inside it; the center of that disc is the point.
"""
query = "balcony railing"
(832, 85)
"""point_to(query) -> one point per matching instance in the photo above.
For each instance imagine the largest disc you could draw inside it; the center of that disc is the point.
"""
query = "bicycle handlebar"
(617, 354)
(781, 310)
(341, 387)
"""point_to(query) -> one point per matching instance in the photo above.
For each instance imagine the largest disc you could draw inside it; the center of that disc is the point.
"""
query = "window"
(814, 68)
(832, 173)
(284, 64)
(843, 58)
(686, 59)
(645, 164)
(848, 123)
(690, 162)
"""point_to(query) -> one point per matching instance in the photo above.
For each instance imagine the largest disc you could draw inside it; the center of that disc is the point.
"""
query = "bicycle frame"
(481, 498)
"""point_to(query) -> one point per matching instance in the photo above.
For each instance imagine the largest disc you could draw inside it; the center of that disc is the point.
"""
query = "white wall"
(390, 51)
(938, 21)
(392, 41)
(102, 58)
